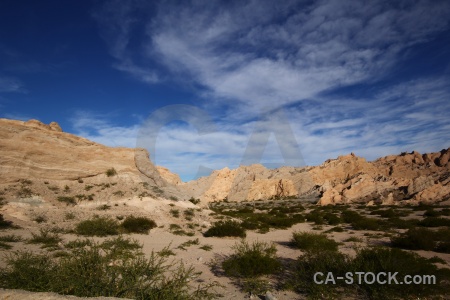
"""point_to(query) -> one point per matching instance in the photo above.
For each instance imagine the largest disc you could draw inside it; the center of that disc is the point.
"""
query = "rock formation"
(53, 160)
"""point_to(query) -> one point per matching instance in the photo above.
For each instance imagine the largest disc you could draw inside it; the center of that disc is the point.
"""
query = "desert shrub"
(206, 247)
(309, 241)
(67, 200)
(173, 198)
(226, 228)
(373, 260)
(100, 226)
(24, 192)
(175, 213)
(354, 239)
(40, 219)
(53, 188)
(315, 216)
(46, 238)
(69, 216)
(335, 229)
(396, 222)
(434, 222)
(115, 268)
(445, 212)
(5, 246)
(377, 260)
(366, 224)
(442, 238)
(332, 219)
(194, 201)
(359, 222)
(350, 216)
(301, 277)
(119, 193)
(10, 238)
(103, 207)
(138, 224)
(188, 243)
(431, 213)
(111, 172)
(78, 243)
(252, 260)
(415, 239)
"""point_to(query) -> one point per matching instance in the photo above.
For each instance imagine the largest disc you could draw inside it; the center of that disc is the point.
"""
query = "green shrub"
(111, 172)
(415, 239)
(119, 193)
(175, 213)
(252, 260)
(226, 228)
(5, 246)
(46, 238)
(10, 238)
(373, 260)
(100, 226)
(206, 247)
(301, 277)
(69, 216)
(434, 222)
(138, 224)
(67, 200)
(309, 241)
(40, 219)
(114, 268)
(377, 260)
(194, 201)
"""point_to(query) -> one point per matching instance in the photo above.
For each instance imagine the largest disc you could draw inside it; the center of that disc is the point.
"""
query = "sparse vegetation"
(194, 201)
(142, 225)
(10, 238)
(119, 193)
(226, 228)
(4, 223)
(175, 213)
(206, 247)
(374, 260)
(40, 219)
(309, 241)
(252, 260)
(69, 216)
(423, 239)
(46, 238)
(111, 172)
(103, 207)
(99, 226)
(67, 200)
(188, 243)
(113, 268)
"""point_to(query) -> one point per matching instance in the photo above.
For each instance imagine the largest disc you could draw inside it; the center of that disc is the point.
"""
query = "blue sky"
(277, 82)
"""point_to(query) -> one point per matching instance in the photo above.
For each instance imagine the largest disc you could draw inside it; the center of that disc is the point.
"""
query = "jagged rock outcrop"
(408, 177)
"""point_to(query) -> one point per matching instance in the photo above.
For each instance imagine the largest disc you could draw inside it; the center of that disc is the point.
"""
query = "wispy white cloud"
(253, 57)
(100, 128)
(11, 85)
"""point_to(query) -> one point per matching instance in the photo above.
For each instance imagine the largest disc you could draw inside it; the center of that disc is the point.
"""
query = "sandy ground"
(161, 237)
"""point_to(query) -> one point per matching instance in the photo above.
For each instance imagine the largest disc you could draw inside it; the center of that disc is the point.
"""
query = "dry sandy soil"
(158, 238)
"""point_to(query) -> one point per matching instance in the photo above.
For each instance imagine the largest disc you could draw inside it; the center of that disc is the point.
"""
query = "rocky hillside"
(39, 160)
(408, 177)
